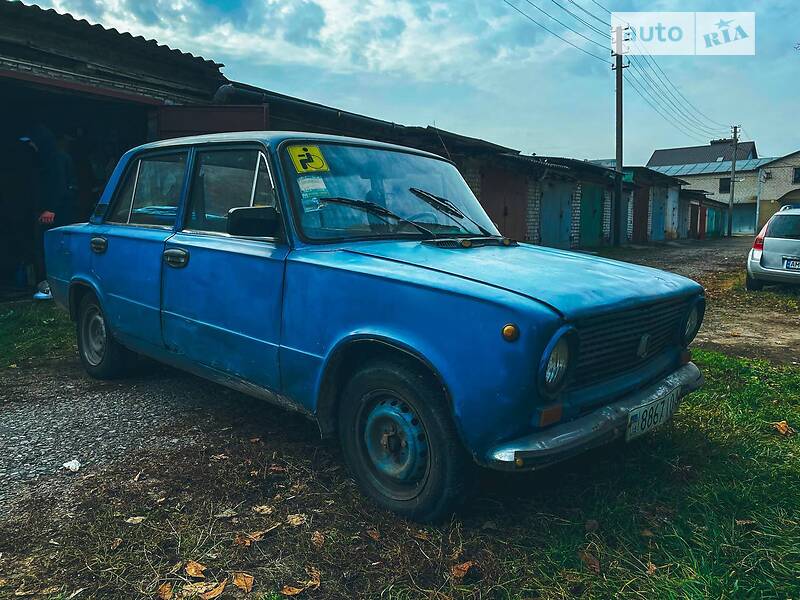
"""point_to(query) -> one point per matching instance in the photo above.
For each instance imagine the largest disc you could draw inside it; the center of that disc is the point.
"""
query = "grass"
(33, 330)
(707, 507)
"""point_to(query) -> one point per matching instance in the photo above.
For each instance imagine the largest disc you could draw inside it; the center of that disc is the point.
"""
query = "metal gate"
(641, 204)
(658, 224)
(556, 214)
(504, 196)
(591, 215)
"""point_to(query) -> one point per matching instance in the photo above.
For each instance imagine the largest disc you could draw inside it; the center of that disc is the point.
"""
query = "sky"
(480, 68)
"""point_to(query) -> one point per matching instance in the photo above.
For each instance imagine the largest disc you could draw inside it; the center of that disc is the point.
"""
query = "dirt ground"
(763, 324)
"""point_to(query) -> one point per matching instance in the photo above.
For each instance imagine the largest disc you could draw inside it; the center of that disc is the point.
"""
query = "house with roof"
(763, 184)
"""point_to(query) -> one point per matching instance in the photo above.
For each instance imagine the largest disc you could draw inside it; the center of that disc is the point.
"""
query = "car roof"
(788, 211)
(273, 138)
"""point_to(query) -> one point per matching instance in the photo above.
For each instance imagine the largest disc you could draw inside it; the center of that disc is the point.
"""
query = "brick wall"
(532, 217)
(629, 224)
(650, 214)
(575, 223)
(607, 216)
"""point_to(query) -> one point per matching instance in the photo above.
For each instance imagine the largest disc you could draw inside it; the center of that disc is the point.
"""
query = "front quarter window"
(380, 177)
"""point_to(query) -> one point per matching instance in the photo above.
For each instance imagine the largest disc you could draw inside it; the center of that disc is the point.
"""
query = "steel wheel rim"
(95, 338)
(394, 445)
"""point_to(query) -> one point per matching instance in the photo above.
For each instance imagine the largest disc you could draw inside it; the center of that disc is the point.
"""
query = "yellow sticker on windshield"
(308, 159)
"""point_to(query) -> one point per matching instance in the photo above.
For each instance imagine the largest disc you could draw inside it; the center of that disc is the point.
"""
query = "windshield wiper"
(376, 209)
(447, 207)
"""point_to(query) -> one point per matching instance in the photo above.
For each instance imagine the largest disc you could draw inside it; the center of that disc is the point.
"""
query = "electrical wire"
(565, 26)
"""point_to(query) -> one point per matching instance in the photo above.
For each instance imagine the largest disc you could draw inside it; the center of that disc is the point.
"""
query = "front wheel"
(101, 355)
(753, 285)
(400, 444)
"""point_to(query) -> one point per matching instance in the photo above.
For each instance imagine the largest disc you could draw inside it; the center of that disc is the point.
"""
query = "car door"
(128, 245)
(222, 294)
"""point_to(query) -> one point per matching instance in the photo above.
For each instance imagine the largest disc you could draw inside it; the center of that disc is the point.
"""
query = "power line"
(563, 39)
(565, 26)
(605, 34)
(677, 124)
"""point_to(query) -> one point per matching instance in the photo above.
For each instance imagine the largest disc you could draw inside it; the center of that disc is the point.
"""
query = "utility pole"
(617, 205)
(735, 129)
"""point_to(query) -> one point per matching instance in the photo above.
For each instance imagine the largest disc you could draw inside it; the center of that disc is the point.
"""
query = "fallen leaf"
(219, 457)
(289, 590)
(201, 588)
(13, 365)
(246, 539)
(165, 591)
(134, 520)
(228, 513)
(422, 535)
(195, 569)
(243, 581)
(651, 568)
(318, 539)
(742, 522)
(115, 543)
(591, 562)
(264, 509)
(591, 525)
(460, 570)
(255, 440)
(314, 578)
(297, 488)
(783, 428)
(296, 520)
(215, 591)
(374, 534)
(646, 533)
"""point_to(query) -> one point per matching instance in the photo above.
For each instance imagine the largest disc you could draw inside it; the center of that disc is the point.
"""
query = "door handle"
(99, 245)
(176, 257)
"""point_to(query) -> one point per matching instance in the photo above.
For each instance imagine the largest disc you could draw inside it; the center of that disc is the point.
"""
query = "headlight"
(693, 322)
(556, 362)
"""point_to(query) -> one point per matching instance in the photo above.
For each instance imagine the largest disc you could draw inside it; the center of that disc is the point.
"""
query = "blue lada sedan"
(362, 284)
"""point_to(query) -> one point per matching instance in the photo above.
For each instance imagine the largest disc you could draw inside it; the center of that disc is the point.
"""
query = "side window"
(222, 180)
(122, 202)
(265, 190)
(158, 189)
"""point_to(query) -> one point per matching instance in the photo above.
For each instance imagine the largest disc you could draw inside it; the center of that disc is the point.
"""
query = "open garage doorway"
(50, 133)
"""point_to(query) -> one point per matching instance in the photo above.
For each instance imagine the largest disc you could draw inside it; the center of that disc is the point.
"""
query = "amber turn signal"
(551, 414)
(510, 332)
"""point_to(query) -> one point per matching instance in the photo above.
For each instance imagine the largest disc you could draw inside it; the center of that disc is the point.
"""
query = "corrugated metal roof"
(690, 155)
(53, 18)
(722, 166)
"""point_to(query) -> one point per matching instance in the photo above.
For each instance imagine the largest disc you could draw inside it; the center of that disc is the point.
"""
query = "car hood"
(574, 284)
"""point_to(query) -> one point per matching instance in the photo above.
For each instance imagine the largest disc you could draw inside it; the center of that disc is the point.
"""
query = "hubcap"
(94, 336)
(396, 442)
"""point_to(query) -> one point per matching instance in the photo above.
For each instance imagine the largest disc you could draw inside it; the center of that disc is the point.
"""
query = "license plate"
(651, 415)
(793, 264)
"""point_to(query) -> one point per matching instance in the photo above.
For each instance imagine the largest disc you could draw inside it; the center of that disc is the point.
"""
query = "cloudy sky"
(480, 68)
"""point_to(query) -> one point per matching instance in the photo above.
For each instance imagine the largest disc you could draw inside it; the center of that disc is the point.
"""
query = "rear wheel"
(400, 444)
(101, 355)
(753, 285)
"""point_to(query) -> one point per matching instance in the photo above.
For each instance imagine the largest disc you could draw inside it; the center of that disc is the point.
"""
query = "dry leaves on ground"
(591, 562)
(783, 428)
(246, 539)
(374, 534)
(314, 580)
(195, 569)
(134, 520)
(264, 509)
(296, 520)
(460, 570)
(205, 590)
(651, 568)
(243, 581)
(165, 591)
(318, 539)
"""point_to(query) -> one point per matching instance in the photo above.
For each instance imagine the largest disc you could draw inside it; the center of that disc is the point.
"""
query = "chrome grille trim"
(608, 344)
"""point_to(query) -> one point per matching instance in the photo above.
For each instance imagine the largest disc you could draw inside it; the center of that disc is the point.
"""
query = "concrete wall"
(777, 188)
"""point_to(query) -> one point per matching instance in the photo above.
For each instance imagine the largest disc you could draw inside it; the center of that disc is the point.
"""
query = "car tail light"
(758, 244)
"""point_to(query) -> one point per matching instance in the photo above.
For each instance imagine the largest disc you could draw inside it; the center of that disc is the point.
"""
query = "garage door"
(591, 215)
(556, 213)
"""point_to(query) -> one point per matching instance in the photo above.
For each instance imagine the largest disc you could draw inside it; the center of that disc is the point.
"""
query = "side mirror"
(254, 221)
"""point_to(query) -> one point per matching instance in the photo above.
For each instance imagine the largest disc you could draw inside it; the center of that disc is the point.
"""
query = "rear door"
(127, 247)
(782, 243)
(222, 300)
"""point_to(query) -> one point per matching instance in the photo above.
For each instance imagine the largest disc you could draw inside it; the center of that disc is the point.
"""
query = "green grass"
(33, 330)
(711, 501)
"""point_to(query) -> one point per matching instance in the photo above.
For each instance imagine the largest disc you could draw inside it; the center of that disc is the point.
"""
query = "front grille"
(608, 345)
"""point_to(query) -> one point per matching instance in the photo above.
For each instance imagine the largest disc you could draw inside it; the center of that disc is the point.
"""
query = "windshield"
(383, 177)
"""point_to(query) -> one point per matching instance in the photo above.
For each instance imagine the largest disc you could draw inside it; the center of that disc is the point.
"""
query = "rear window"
(784, 226)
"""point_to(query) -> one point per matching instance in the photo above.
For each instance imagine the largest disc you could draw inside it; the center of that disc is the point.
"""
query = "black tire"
(106, 360)
(753, 285)
(440, 478)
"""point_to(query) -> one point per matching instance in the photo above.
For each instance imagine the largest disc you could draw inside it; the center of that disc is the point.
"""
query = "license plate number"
(793, 264)
(649, 416)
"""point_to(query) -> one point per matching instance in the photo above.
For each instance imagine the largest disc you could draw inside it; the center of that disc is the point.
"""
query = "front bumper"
(608, 423)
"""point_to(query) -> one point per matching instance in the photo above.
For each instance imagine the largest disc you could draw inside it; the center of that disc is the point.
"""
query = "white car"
(775, 257)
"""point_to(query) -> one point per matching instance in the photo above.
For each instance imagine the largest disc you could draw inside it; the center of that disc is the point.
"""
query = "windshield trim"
(292, 199)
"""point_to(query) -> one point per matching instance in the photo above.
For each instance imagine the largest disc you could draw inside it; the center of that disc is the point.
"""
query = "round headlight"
(692, 323)
(556, 368)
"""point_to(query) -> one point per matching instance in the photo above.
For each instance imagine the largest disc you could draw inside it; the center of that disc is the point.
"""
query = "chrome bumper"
(562, 441)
